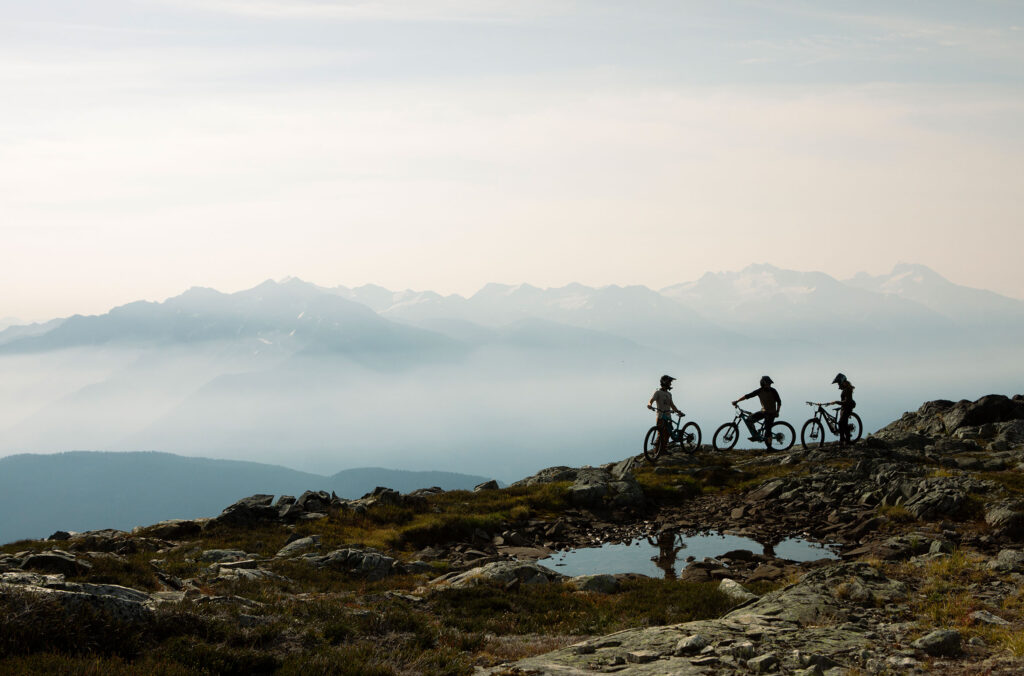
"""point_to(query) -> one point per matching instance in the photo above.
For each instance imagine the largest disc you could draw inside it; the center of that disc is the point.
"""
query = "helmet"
(839, 379)
(766, 381)
(666, 381)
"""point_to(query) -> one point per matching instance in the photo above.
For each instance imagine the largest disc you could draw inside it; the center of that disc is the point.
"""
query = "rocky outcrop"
(988, 417)
(830, 618)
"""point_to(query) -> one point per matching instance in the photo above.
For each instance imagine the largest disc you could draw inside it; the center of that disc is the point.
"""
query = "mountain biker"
(771, 404)
(665, 406)
(846, 405)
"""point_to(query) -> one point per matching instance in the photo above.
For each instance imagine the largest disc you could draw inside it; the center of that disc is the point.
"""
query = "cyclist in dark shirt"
(771, 404)
(846, 406)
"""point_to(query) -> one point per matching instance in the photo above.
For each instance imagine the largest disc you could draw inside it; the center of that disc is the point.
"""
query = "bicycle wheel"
(812, 434)
(856, 427)
(651, 445)
(689, 437)
(783, 435)
(725, 437)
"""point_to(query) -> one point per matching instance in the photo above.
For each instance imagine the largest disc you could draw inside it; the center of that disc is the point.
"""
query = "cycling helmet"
(839, 379)
(666, 381)
(766, 381)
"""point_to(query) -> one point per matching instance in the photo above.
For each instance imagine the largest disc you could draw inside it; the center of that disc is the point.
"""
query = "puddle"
(666, 555)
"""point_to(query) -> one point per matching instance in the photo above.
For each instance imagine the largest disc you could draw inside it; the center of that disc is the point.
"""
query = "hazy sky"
(150, 145)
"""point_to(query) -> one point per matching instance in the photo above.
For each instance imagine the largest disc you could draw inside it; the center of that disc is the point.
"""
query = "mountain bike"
(782, 434)
(686, 437)
(813, 431)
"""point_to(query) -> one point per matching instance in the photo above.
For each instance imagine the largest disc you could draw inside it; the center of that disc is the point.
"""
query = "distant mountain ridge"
(81, 490)
(488, 383)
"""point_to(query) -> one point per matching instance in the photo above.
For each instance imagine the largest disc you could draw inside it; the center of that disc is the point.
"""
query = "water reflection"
(657, 556)
(669, 545)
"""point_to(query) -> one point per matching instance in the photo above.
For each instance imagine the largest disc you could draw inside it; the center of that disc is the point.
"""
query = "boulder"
(940, 643)
(735, 591)
(603, 584)
(1006, 518)
(491, 485)
(367, 563)
(250, 510)
(299, 545)
(1008, 561)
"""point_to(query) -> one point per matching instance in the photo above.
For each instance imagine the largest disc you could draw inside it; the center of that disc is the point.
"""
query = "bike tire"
(784, 437)
(651, 445)
(812, 434)
(857, 427)
(725, 437)
(690, 437)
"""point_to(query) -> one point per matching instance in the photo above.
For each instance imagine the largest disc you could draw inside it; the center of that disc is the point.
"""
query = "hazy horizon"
(443, 144)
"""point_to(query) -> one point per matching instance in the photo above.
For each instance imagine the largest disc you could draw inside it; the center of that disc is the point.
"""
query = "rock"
(743, 650)
(56, 561)
(123, 604)
(60, 535)
(173, 529)
(314, 502)
(693, 643)
(299, 545)
(249, 510)
(766, 572)
(937, 504)
(1006, 518)
(1008, 561)
(491, 485)
(504, 572)
(735, 591)
(940, 643)
(549, 475)
(767, 491)
(641, 656)
(367, 563)
(604, 584)
(763, 664)
(220, 555)
(985, 617)
(379, 496)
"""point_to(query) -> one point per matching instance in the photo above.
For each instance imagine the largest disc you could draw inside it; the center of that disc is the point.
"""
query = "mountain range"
(495, 383)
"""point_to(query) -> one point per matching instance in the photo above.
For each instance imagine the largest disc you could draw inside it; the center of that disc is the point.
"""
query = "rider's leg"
(844, 426)
(664, 430)
(750, 424)
(769, 420)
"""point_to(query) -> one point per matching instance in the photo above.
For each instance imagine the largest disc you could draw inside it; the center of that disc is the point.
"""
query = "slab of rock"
(491, 485)
(690, 645)
(250, 510)
(221, 555)
(56, 561)
(985, 617)
(503, 572)
(807, 614)
(174, 529)
(763, 664)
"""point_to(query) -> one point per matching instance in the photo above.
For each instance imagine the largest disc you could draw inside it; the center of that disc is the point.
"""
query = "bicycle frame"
(831, 419)
(743, 415)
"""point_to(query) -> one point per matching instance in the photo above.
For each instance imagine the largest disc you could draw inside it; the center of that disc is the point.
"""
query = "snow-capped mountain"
(923, 285)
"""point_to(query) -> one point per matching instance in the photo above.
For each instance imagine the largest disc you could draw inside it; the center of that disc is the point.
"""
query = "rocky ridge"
(937, 491)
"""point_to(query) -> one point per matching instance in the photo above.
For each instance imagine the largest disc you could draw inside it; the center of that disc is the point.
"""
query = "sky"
(147, 146)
